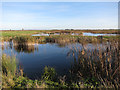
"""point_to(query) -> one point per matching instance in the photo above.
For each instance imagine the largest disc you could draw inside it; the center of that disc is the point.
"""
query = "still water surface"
(98, 34)
(84, 34)
(35, 57)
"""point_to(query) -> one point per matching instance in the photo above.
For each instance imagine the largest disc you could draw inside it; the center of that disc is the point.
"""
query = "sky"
(60, 0)
(59, 15)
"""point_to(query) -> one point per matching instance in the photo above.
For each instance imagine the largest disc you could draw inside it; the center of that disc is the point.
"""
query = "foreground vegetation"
(97, 67)
(13, 76)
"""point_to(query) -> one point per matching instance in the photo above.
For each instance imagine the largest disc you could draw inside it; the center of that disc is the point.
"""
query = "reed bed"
(98, 67)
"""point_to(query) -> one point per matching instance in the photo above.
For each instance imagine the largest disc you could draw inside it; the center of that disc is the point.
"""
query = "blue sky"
(60, 15)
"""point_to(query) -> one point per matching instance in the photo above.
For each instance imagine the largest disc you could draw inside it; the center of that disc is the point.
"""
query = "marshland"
(60, 59)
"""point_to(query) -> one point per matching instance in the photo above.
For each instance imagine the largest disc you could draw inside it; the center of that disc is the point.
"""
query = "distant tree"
(22, 29)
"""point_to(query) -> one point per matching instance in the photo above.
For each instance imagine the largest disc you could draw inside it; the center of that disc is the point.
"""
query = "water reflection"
(25, 48)
(31, 48)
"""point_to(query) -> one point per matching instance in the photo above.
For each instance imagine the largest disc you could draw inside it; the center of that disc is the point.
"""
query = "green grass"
(9, 65)
(18, 33)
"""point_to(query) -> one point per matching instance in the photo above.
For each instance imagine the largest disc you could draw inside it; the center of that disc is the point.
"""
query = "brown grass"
(97, 65)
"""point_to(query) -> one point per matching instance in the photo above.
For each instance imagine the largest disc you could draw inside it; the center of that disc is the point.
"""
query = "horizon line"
(52, 29)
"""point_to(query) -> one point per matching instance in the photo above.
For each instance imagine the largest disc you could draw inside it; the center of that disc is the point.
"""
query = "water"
(98, 34)
(34, 58)
(42, 34)
(39, 56)
(84, 34)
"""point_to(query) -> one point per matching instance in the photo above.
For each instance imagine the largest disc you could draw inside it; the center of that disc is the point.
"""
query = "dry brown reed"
(100, 64)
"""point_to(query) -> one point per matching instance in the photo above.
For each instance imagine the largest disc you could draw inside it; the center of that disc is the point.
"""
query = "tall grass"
(9, 65)
(9, 69)
(98, 67)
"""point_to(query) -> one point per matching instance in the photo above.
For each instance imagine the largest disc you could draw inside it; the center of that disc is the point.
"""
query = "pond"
(84, 34)
(33, 58)
(42, 34)
(98, 34)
